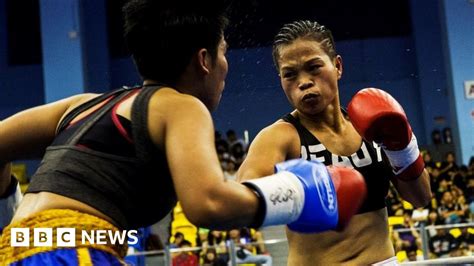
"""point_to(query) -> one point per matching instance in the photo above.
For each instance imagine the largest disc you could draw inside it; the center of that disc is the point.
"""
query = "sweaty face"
(308, 76)
(217, 75)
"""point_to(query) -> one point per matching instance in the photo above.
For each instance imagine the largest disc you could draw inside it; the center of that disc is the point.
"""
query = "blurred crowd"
(231, 152)
(452, 205)
(214, 248)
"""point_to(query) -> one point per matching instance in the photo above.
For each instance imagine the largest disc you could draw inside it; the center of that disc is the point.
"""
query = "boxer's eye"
(289, 75)
(314, 68)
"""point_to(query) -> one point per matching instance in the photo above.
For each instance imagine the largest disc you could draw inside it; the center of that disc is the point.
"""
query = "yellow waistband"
(57, 218)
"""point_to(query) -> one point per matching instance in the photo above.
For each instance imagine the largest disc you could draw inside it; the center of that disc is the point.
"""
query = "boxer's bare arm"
(276, 143)
(184, 125)
(417, 191)
(26, 134)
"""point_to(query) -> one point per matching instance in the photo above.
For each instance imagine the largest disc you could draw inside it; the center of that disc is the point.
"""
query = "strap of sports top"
(81, 108)
(294, 121)
(94, 117)
(144, 147)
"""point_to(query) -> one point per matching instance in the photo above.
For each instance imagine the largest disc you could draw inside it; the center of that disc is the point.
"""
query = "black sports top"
(109, 162)
(369, 160)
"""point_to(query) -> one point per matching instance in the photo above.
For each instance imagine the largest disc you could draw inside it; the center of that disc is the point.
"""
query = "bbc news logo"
(66, 237)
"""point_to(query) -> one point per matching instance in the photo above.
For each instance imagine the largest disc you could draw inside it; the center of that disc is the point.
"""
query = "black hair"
(162, 36)
(307, 30)
(214, 240)
(184, 243)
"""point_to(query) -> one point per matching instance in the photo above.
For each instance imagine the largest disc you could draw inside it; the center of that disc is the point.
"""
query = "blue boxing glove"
(308, 196)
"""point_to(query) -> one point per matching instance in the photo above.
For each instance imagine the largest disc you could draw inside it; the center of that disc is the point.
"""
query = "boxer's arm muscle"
(26, 134)
(207, 199)
(272, 145)
(417, 191)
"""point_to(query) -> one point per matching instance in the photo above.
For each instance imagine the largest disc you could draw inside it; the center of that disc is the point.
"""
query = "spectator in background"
(406, 239)
(185, 258)
(221, 144)
(447, 136)
(230, 170)
(449, 210)
(202, 235)
(466, 239)
(232, 139)
(412, 255)
(461, 200)
(238, 154)
(434, 180)
(436, 137)
(470, 195)
(178, 238)
(244, 249)
(222, 148)
(257, 237)
(442, 244)
(443, 186)
(433, 220)
(216, 241)
(460, 178)
(449, 167)
(210, 258)
(429, 163)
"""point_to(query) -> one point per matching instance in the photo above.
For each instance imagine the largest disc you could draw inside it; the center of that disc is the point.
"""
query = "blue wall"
(432, 79)
(253, 98)
(63, 49)
(458, 33)
(20, 86)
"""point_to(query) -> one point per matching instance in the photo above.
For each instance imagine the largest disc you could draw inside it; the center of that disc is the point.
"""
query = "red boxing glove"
(378, 117)
(351, 192)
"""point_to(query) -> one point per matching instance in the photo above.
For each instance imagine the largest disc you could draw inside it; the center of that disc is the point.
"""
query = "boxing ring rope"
(465, 260)
(166, 253)
(437, 227)
(423, 229)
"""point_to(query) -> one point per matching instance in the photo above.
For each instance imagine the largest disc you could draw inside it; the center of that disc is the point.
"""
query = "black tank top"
(369, 160)
(111, 133)
(109, 164)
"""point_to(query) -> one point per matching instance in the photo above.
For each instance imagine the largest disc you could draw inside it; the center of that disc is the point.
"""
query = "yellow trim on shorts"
(83, 257)
(57, 218)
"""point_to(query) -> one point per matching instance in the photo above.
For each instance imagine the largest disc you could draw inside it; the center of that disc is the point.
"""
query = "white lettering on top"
(364, 161)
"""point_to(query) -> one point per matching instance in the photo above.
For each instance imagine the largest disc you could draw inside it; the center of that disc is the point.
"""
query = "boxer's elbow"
(205, 213)
(417, 192)
(420, 200)
(423, 201)
(206, 208)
